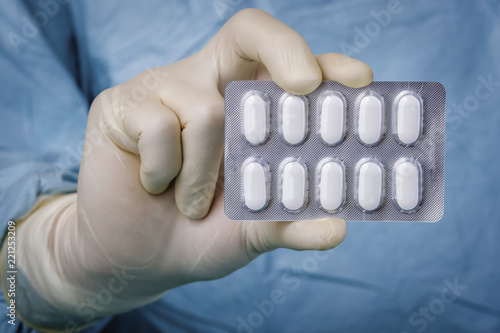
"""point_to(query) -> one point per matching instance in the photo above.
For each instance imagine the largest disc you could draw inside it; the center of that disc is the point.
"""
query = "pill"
(332, 120)
(370, 189)
(294, 119)
(294, 186)
(255, 185)
(331, 186)
(255, 119)
(408, 189)
(371, 120)
(409, 119)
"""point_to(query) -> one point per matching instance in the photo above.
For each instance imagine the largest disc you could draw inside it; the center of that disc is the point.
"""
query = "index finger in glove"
(252, 36)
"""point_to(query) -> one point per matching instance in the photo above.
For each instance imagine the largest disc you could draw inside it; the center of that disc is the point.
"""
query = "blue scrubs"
(57, 55)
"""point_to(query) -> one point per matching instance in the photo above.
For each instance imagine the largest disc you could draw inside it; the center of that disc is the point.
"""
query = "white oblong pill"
(332, 119)
(409, 119)
(294, 119)
(371, 116)
(294, 186)
(255, 118)
(331, 186)
(370, 185)
(408, 179)
(255, 185)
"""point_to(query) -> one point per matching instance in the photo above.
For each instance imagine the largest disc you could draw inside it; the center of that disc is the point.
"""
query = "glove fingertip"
(152, 183)
(356, 74)
(325, 234)
(193, 205)
(301, 85)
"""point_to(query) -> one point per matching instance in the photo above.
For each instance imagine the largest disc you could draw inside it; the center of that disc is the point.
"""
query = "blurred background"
(385, 277)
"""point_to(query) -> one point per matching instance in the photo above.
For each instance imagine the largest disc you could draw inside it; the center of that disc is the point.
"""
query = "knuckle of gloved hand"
(113, 103)
(247, 15)
(102, 99)
(164, 124)
(211, 114)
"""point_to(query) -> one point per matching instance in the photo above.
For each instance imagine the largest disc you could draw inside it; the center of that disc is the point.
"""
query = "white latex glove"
(149, 171)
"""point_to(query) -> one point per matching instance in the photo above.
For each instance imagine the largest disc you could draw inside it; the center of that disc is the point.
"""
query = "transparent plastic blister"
(256, 184)
(294, 184)
(331, 185)
(407, 185)
(293, 119)
(362, 154)
(256, 117)
(370, 118)
(332, 117)
(408, 118)
(369, 184)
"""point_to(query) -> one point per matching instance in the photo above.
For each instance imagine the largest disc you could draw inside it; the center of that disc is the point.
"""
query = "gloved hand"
(149, 173)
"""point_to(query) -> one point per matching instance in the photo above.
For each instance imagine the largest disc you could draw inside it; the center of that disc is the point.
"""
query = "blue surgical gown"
(57, 55)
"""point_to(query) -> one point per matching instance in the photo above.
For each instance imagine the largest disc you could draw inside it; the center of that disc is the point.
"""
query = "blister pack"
(361, 154)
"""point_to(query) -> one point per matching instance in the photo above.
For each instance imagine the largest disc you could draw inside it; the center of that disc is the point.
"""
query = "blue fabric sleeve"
(42, 111)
